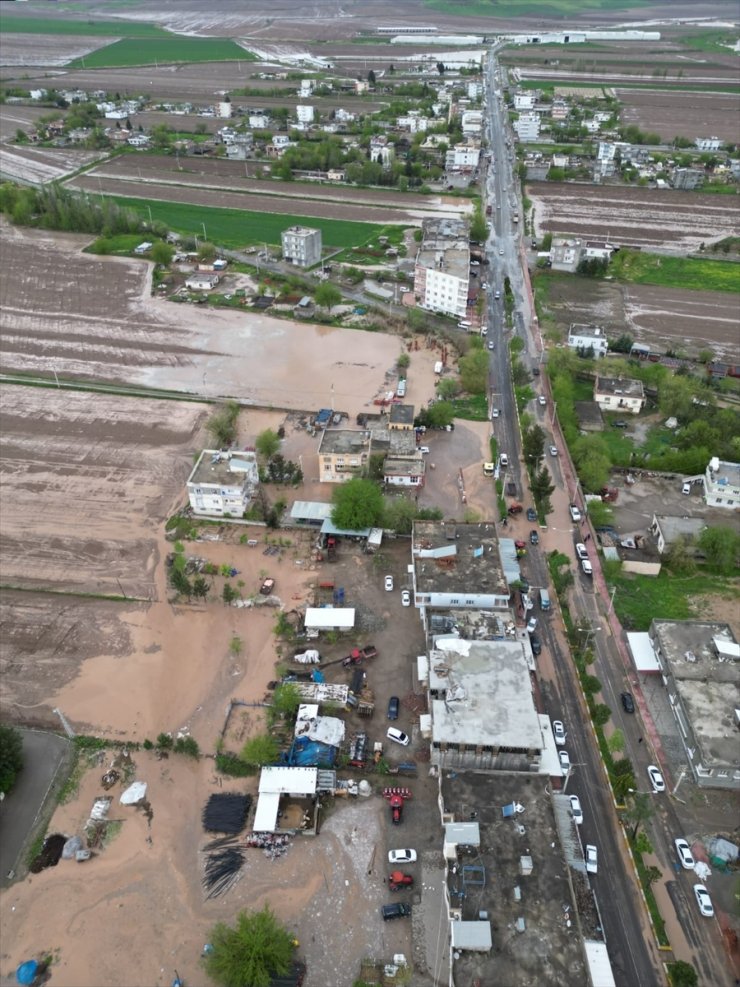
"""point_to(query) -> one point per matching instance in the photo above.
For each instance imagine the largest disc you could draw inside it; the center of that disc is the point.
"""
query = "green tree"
(450, 387)
(542, 487)
(252, 953)
(652, 874)
(601, 712)
(260, 750)
(357, 504)
(533, 445)
(399, 514)
(601, 514)
(592, 461)
(371, 78)
(623, 778)
(675, 396)
(640, 811)
(161, 136)
(223, 424)
(682, 974)
(162, 253)
(11, 756)
(229, 594)
(478, 227)
(268, 443)
(615, 743)
(180, 582)
(403, 361)
(474, 371)
(207, 252)
(286, 699)
(642, 844)
(440, 414)
(591, 685)
(200, 587)
(236, 646)
(680, 560)
(327, 295)
(721, 546)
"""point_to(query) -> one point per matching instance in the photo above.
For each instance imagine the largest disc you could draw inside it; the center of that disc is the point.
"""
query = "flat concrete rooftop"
(457, 558)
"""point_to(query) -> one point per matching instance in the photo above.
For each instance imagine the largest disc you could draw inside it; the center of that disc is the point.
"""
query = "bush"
(11, 756)
(230, 764)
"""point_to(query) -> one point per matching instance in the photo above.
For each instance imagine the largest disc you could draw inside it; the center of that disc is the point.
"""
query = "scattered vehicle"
(588, 569)
(516, 509)
(542, 400)
(553, 450)
(534, 537)
(424, 450)
(397, 880)
(396, 805)
(398, 736)
(544, 600)
(685, 856)
(531, 625)
(267, 587)
(575, 514)
(581, 551)
(503, 459)
(620, 424)
(402, 856)
(495, 413)
(484, 330)
(358, 655)
(531, 514)
(398, 910)
(405, 598)
(592, 859)
(628, 703)
(394, 704)
(575, 808)
(497, 294)
(489, 469)
(388, 583)
(564, 760)
(535, 644)
(511, 489)
(703, 901)
(558, 731)
(686, 488)
(501, 251)
(490, 344)
(656, 778)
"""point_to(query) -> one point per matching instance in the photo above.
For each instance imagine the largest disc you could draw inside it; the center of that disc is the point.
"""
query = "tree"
(371, 78)
(11, 756)
(254, 952)
(200, 587)
(180, 582)
(641, 811)
(542, 487)
(327, 295)
(623, 778)
(260, 750)
(478, 228)
(652, 874)
(615, 743)
(680, 560)
(236, 646)
(403, 361)
(440, 414)
(357, 504)
(222, 424)
(682, 974)
(601, 714)
(207, 252)
(448, 388)
(267, 444)
(601, 514)
(286, 699)
(441, 68)
(721, 546)
(229, 594)
(533, 445)
(474, 371)
(399, 514)
(162, 253)
(591, 685)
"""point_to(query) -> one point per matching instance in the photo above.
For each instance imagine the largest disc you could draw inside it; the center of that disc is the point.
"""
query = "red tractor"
(396, 797)
(397, 881)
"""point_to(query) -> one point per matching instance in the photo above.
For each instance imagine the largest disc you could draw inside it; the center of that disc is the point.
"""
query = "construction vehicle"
(358, 655)
(396, 797)
(331, 549)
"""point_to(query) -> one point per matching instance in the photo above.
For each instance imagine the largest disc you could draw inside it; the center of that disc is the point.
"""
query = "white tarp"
(643, 653)
(134, 793)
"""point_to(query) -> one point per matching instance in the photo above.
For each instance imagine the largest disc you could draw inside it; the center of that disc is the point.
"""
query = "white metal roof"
(293, 781)
(598, 964)
(326, 618)
(265, 816)
(310, 510)
(471, 935)
(643, 653)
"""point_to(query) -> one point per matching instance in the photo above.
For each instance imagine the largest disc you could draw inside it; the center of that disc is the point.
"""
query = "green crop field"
(11, 24)
(676, 272)
(236, 228)
(530, 8)
(151, 51)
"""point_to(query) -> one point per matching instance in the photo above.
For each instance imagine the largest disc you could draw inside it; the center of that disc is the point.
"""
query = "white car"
(405, 598)
(424, 450)
(575, 808)
(656, 778)
(564, 760)
(553, 450)
(559, 731)
(575, 514)
(542, 400)
(581, 551)
(531, 625)
(484, 331)
(501, 251)
(703, 900)
(495, 413)
(398, 736)
(588, 569)
(388, 583)
(592, 859)
(684, 853)
(490, 344)
(402, 856)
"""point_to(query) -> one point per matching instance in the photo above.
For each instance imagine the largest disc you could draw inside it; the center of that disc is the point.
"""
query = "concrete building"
(401, 417)
(667, 530)
(414, 122)
(221, 484)
(722, 484)
(623, 394)
(708, 143)
(304, 113)
(442, 269)
(468, 681)
(472, 123)
(588, 340)
(559, 110)
(687, 178)
(382, 150)
(225, 109)
(457, 566)
(343, 454)
(524, 100)
(565, 254)
(404, 471)
(301, 246)
(202, 281)
(700, 664)
(527, 127)
(463, 157)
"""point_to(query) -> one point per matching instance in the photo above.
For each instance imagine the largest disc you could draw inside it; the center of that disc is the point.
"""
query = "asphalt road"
(43, 754)
(616, 892)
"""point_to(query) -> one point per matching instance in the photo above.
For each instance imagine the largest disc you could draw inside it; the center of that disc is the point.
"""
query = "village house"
(343, 454)
(382, 150)
(588, 340)
(301, 246)
(722, 484)
(623, 394)
(527, 127)
(222, 484)
(202, 281)
(463, 157)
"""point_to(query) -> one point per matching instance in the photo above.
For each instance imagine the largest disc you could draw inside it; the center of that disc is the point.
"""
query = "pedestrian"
(639, 740)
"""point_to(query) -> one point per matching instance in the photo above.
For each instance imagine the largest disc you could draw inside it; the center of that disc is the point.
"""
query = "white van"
(544, 600)
(503, 459)
(438, 367)
(686, 489)
(401, 389)
(464, 325)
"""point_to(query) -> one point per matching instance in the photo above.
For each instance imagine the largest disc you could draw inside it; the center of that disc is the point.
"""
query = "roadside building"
(708, 143)
(619, 394)
(301, 246)
(222, 484)
(463, 157)
(565, 254)
(343, 454)
(722, 484)
(202, 281)
(442, 269)
(700, 663)
(471, 122)
(687, 178)
(524, 100)
(527, 127)
(401, 417)
(404, 471)
(588, 340)
(668, 530)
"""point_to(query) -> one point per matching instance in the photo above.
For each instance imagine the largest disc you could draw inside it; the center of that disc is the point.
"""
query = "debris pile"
(224, 862)
(226, 812)
(50, 853)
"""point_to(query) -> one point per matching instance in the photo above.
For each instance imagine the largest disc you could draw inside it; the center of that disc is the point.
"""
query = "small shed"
(473, 936)
(330, 618)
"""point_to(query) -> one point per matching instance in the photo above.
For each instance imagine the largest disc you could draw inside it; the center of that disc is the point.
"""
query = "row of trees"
(56, 208)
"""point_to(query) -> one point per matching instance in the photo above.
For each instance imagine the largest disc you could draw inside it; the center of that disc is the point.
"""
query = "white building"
(225, 109)
(722, 484)
(260, 121)
(462, 157)
(528, 127)
(524, 101)
(475, 90)
(304, 113)
(472, 123)
(565, 254)
(588, 338)
(622, 394)
(306, 88)
(301, 246)
(414, 122)
(382, 150)
(708, 143)
(442, 271)
(222, 484)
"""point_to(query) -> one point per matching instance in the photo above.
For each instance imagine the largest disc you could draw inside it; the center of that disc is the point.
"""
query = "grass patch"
(35, 848)
(639, 598)
(151, 51)
(652, 904)
(472, 407)
(675, 272)
(237, 228)
(10, 24)
(123, 244)
(717, 41)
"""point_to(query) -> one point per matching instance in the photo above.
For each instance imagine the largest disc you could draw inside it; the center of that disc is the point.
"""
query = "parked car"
(592, 859)
(553, 450)
(388, 583)
(620, 424)
(393, 707)
(656, 778)
(559, 731)
(703, 901)
(531, 514)
(564, 760)
(684, 853)
(588, 569)
(628, 703)
(484, 331)
(575, 808)
(398, 736)
(534, 537)
(402, 856)
(399, 909)
(575, 514)
(531, 625)
(405, 598)
(424, 450)
(581, 551)
(535, 644)
(490, 344)
(542, 400)
(495, 413)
